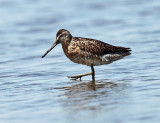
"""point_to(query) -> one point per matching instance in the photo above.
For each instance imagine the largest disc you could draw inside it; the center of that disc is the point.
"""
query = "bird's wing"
(98, 47)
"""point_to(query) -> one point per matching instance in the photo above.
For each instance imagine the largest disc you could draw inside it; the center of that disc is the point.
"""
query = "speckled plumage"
(90, 51)
(87, 51)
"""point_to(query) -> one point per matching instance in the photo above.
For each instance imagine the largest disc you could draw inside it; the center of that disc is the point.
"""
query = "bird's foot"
(79, 76)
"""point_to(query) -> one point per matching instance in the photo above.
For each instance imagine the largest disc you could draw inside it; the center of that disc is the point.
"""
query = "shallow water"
(38, 90)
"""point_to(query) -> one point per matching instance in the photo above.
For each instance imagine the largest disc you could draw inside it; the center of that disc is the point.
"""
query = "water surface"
(38, 90)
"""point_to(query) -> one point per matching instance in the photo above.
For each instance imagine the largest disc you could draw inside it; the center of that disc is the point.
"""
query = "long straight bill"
(55, 43)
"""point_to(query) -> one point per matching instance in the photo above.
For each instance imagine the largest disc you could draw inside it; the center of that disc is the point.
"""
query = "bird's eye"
(60, 36)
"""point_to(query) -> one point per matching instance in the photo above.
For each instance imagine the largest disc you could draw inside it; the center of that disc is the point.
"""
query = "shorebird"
(86, 51)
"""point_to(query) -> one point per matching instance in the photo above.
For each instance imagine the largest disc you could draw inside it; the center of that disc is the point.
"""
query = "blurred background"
(38, 90)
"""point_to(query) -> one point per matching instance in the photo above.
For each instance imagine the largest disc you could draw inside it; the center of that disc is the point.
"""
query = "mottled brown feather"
(97, 47)
(89, 51)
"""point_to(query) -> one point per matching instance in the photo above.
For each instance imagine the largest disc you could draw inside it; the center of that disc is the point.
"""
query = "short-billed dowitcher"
(87, 51)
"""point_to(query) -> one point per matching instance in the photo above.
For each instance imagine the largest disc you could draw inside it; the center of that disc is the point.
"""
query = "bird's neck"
(65, 46)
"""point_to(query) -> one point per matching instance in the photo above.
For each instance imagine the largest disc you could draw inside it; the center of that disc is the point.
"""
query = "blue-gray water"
(38, 90)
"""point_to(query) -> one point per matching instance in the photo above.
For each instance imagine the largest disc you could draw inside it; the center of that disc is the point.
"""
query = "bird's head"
(63, 36)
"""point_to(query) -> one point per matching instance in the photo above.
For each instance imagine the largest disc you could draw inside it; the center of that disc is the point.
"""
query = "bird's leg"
(93, 73)
(80, 76)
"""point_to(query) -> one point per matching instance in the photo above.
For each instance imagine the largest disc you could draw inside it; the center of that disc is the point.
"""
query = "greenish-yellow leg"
(80, 76)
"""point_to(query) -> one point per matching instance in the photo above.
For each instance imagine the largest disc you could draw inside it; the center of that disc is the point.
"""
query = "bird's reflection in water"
(91, 95)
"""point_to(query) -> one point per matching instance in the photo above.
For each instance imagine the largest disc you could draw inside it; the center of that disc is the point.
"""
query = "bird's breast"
(75, 54)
